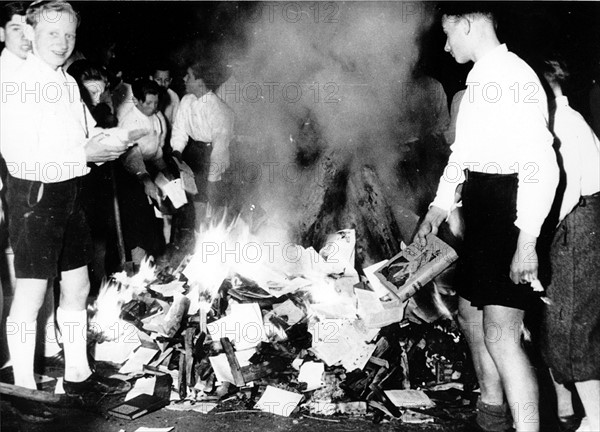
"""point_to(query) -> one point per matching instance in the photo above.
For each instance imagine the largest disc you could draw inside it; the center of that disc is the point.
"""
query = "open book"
(404, 274)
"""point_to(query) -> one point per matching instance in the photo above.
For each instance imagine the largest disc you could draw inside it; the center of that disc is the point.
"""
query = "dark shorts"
(571, 325)
(197, 155)
(47, 227)
(490, 210)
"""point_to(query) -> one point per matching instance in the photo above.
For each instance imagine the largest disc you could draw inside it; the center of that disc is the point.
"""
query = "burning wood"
(222, 324)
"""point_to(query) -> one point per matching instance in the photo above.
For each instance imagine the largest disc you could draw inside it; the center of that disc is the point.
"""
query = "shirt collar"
(492, 55)
(11, 56)
(43, 66)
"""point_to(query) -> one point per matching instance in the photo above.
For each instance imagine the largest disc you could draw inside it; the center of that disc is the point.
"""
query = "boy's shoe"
(96, 385)
(32, 412)
(569, 423)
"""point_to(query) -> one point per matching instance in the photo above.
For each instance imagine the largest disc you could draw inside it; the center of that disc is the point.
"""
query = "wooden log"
(367, 193)
(238, 378)
(25, 393)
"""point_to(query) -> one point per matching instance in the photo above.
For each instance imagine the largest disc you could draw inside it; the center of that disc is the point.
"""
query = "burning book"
(415, 266)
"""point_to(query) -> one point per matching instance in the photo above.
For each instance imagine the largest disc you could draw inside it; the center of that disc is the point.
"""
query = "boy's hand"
(524, 265)
(101, 148)
(433, 219)
(151, 189)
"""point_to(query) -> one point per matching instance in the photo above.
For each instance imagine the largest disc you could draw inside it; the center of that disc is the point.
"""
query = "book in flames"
(404, 274)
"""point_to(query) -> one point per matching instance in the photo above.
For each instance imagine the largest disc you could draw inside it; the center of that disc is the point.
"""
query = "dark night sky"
(148, 30)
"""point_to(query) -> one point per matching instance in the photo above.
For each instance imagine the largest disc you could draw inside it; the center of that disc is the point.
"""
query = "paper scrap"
(409, 398)
(243, 326)
(187, 177)
(138, 359)
(149, 429)
(289, 311)
(175, 191)
(311, 373)
(279, 402)
(142, 386)
(187, 405)
(377, 286)
(222, 368)
(378, 314)
(59, 386)
(170, 289)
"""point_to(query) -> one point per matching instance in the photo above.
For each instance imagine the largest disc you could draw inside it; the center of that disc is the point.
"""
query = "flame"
(112, 296)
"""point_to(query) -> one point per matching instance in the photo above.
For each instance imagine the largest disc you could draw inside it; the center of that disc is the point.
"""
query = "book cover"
(404, 274)
(138, 406)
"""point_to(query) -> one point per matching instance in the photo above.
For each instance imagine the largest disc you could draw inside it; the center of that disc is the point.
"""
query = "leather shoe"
(32, 412)
(96, 385)
(569, 423)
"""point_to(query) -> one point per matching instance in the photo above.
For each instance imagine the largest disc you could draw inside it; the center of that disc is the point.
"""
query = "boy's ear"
(29, 32)
(2, 35)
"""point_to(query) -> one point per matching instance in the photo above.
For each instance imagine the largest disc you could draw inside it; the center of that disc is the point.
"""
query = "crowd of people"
(83, 151)
(82, 188)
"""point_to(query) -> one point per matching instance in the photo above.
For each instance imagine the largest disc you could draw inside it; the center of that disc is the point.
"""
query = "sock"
(493, 418)
(21, 346)
(73, 327)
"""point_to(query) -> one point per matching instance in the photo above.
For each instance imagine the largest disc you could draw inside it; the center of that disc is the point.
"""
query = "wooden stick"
(25, 393)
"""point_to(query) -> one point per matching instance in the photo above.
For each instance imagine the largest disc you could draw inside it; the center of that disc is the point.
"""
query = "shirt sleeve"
(179, 135)
(538, 169)
(221, 121)
(451, 178)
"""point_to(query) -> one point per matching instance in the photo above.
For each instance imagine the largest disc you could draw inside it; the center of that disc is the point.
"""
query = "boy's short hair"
(8, 10)
(50, 7)
(210, 73)
(143, 87)
(465, 8)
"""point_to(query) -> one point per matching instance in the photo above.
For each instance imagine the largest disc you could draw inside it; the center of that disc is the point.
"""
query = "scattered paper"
(138, 360)
(170, 289)
(187, 177)
(289, 312)
(118, 351)
(375, 313)
(279, 402)
(409, 398)
(149, 429)
(187, 405)
(59, 386)
(222, 368)
(175, 191)
(142, 386)
(243, 326)
(311, 373)
(378, 287)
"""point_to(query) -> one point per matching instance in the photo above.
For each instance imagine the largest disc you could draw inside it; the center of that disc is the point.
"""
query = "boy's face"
(162, 78)
(194, 85)
(13, 36)
(149, 106)
(54, 38)
(457, 43)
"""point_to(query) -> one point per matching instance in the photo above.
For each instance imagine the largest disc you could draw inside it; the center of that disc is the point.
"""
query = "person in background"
(168, 106)
(142, 162)
(47, 143)
(571, 326)
(497, 135)
(97, 193)
(202, 133)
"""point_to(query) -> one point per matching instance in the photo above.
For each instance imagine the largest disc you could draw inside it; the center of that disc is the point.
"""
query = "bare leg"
(47, 334)
(471, 323)
(72, 319)
(21, 328)
(502, 327)
(589, 393)
(564, 399)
